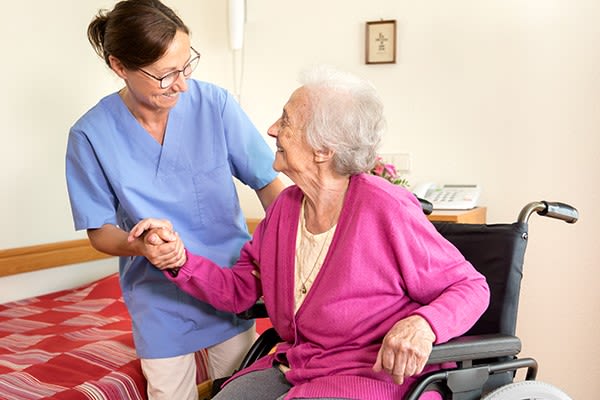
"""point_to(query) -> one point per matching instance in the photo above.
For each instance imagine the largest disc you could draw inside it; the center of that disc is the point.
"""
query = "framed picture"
(381, 42)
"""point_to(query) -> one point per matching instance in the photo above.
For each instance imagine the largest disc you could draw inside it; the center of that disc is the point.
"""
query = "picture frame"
(380, 45)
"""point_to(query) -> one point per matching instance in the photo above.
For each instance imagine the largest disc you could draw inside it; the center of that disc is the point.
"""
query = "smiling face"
(144, 91)
(294, 155)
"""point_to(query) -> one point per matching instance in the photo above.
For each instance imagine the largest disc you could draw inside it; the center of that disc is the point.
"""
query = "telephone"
(449, 197)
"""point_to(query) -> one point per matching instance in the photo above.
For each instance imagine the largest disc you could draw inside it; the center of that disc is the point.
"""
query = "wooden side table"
(252, 223)
(475, 215)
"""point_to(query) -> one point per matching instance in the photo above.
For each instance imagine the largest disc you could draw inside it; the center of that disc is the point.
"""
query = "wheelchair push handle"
(554, 209)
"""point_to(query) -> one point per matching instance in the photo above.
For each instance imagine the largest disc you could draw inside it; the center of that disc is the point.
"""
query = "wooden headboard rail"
(33, 258)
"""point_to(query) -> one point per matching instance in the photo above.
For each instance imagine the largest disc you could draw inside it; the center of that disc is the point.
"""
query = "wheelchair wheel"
(527, 390)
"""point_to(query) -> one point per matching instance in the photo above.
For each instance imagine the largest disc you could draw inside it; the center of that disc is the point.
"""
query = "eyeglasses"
(170, 78)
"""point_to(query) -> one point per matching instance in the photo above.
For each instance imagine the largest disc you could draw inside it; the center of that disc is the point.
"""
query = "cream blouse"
(311, 250)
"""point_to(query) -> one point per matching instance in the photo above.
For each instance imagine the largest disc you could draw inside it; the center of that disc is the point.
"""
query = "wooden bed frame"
(33, 258)
(38, 257)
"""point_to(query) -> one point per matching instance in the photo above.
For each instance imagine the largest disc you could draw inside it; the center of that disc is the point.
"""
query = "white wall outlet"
(400, 160)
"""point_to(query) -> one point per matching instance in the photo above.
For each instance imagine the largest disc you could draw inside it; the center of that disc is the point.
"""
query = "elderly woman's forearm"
(227, 289)
(457, 309)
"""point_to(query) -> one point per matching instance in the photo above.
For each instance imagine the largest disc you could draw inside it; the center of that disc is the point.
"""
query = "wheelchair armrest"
(426, 205)
(475, 347)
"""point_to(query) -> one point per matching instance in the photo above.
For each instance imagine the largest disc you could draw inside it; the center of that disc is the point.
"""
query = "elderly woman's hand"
(405, 348)
(165, 249)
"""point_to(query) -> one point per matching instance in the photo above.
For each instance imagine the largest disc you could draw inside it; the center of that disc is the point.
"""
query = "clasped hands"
(160, 244)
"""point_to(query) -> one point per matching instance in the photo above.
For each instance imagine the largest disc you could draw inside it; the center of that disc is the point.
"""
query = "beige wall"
(505, 93)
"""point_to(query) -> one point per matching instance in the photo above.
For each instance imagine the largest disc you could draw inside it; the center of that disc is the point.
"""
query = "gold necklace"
(303, 288)
(304, 281)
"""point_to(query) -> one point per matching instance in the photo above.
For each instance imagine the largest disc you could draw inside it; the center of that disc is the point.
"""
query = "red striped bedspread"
(73, 344)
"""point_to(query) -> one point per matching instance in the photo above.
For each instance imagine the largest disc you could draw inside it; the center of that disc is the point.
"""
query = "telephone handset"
(449, 197)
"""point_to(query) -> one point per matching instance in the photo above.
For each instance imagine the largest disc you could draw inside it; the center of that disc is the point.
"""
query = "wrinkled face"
(147, 91)
(293, 155)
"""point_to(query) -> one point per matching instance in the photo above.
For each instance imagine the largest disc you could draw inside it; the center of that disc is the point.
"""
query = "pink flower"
(387, 172)
(390, 169)
(378, 169)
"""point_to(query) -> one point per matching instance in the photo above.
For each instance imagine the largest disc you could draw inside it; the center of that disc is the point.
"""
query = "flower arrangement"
(388, 172)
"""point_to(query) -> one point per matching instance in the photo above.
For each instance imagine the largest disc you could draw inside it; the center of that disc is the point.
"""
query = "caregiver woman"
(166, 145)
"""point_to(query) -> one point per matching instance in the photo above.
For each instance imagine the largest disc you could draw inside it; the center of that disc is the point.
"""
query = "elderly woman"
(356, 280)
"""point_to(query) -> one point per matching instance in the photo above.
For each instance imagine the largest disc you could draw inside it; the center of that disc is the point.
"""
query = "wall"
(500, 92)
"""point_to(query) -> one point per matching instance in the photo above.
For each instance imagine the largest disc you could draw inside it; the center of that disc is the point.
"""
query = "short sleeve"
(250, 157)
(93, 202)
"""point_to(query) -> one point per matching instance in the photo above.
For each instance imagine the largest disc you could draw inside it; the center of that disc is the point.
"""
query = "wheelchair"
(485, 358)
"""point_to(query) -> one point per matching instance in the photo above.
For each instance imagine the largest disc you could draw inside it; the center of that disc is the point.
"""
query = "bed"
(72, 344)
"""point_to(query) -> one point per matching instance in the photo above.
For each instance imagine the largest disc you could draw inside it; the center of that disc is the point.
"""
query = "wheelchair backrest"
(497, 251)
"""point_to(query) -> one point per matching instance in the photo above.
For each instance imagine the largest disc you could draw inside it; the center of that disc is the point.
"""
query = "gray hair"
(346, 116)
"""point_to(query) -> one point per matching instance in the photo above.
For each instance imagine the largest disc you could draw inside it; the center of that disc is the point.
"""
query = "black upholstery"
(497, 251)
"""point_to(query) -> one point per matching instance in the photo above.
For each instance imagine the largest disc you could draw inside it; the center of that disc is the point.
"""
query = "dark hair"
(137, 32)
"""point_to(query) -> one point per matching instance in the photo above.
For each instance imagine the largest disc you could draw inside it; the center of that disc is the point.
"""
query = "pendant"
(303, 289)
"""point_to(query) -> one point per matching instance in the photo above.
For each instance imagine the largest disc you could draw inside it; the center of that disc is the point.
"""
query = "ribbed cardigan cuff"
(435, 320)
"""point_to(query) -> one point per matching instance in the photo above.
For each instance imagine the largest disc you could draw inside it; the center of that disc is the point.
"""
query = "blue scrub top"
(118, 174)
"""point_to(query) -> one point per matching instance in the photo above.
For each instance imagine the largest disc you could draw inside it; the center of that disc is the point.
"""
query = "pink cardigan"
(386, 262)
